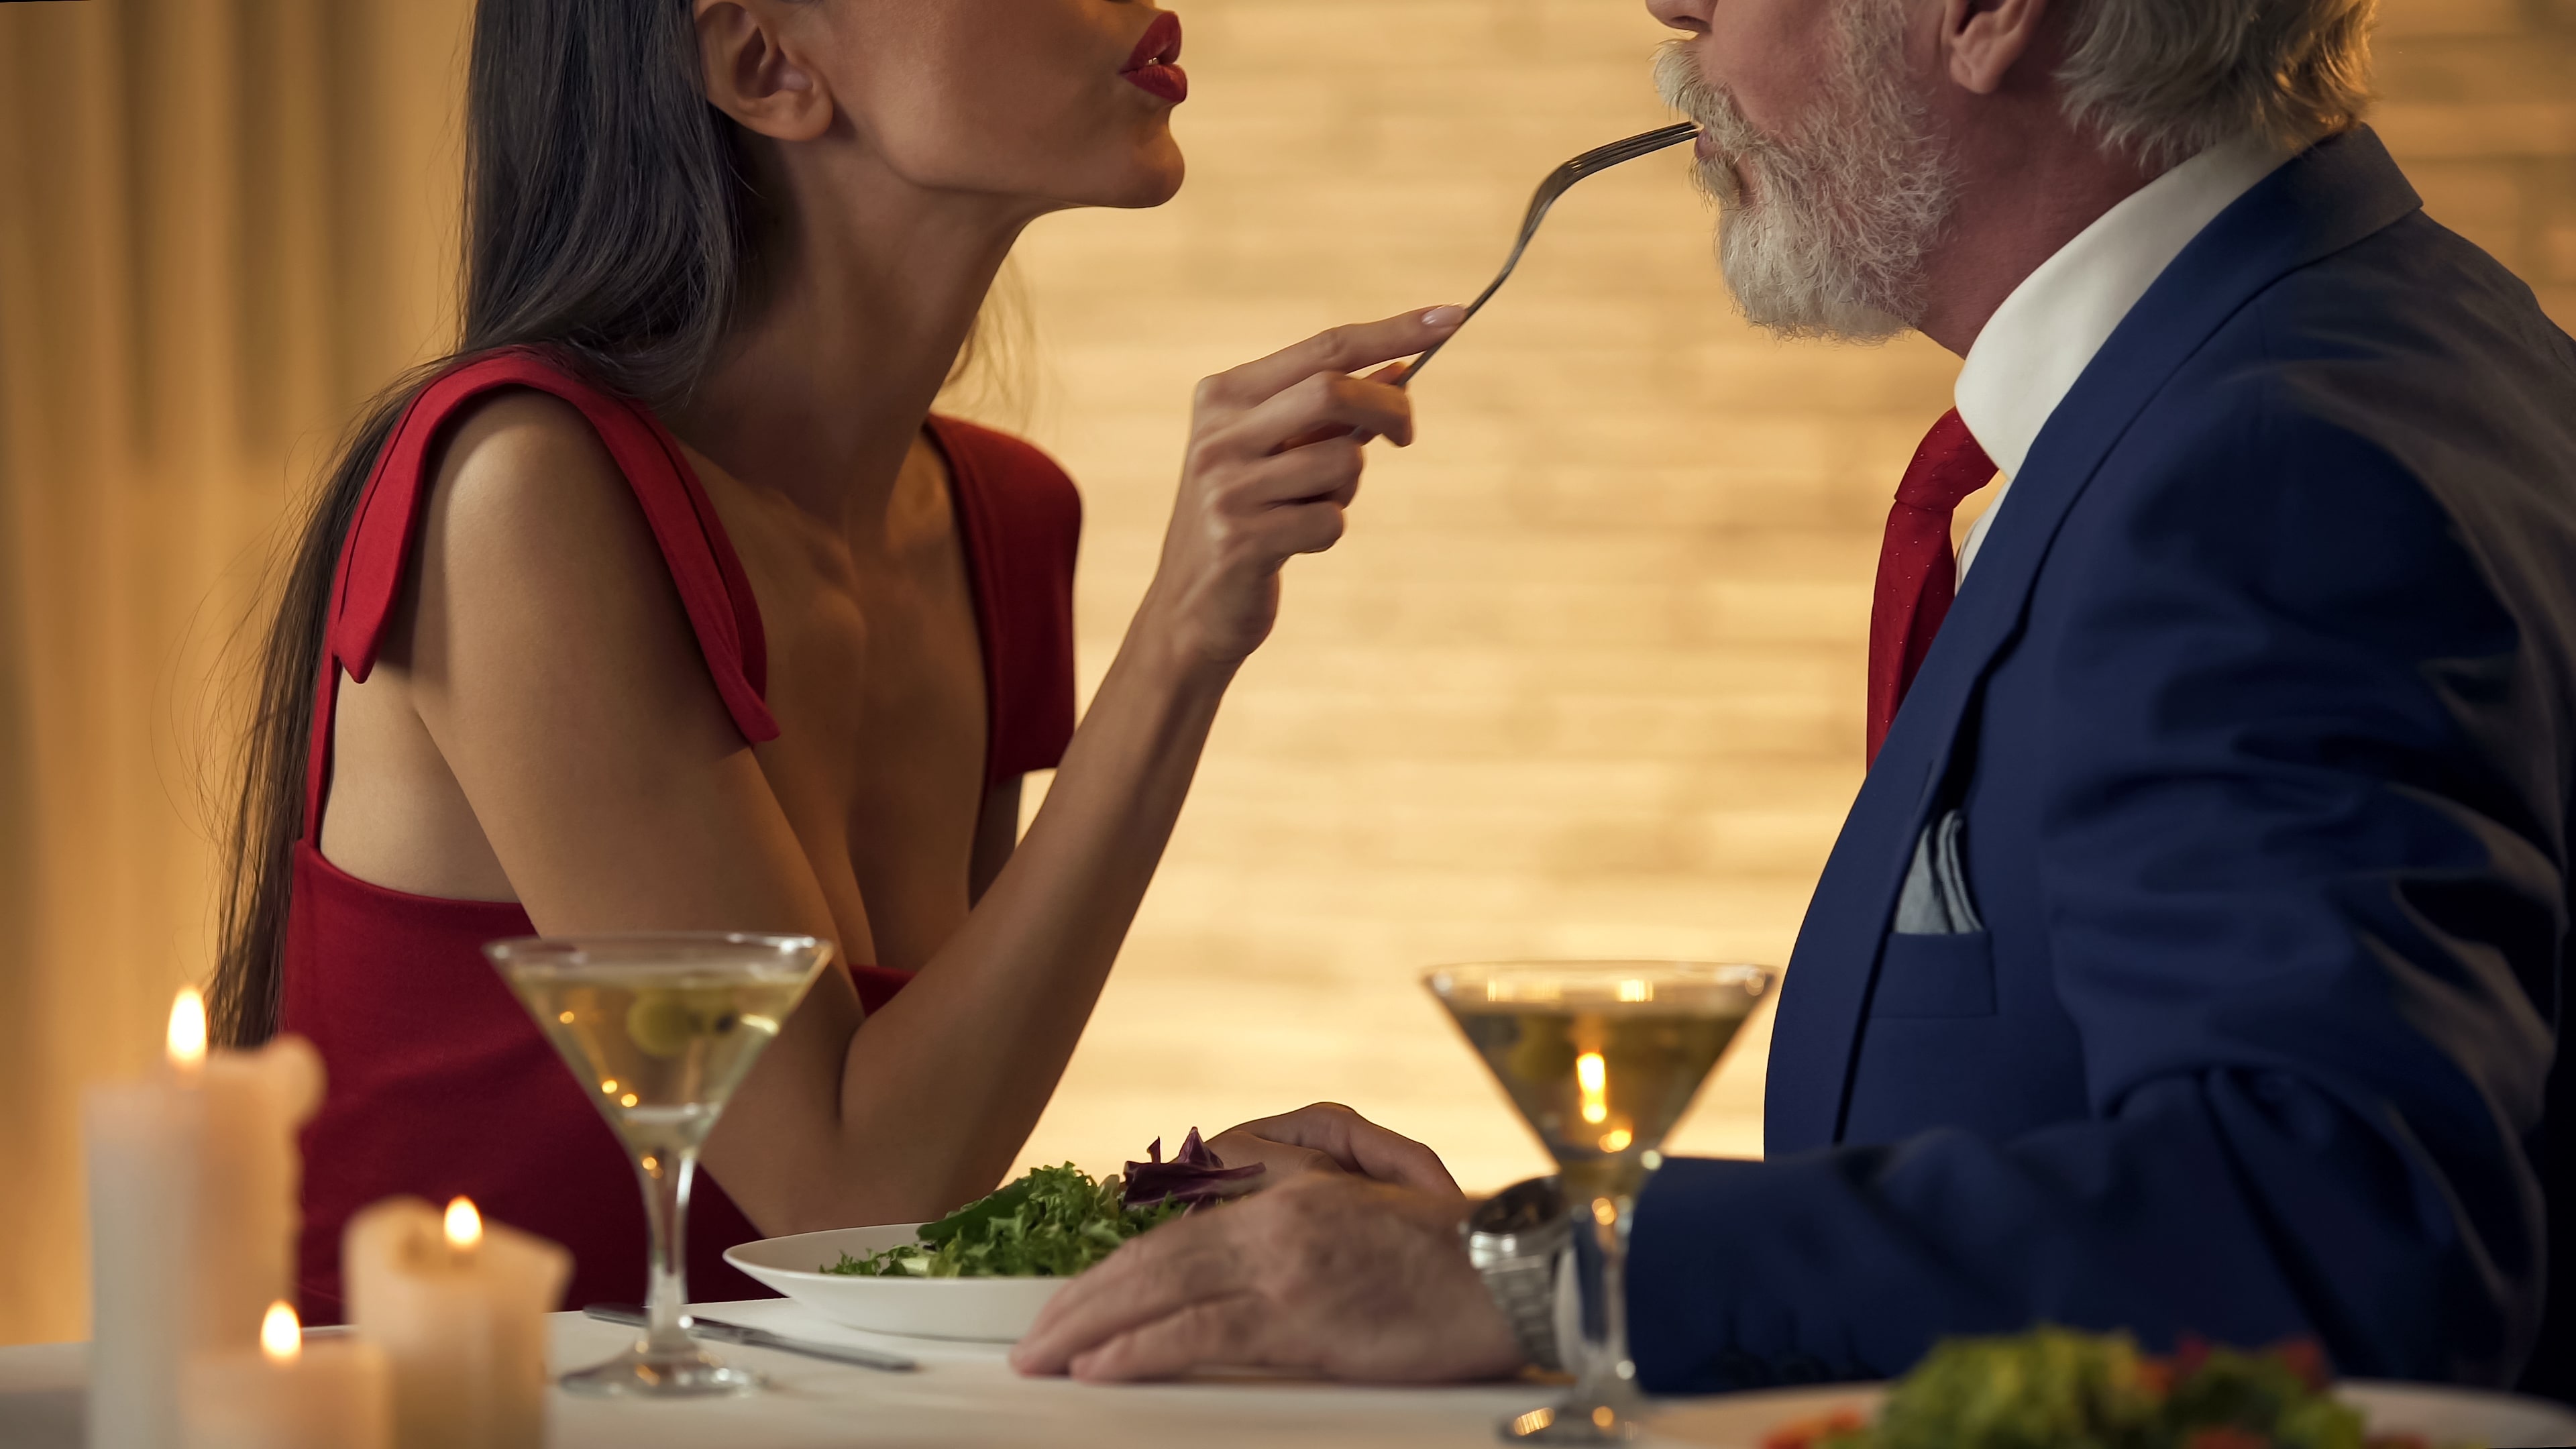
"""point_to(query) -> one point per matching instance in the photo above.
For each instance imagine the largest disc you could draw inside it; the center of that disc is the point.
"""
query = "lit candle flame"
(281, 1338)
(464, 1225)
(188, 1030)
(1593, 1076)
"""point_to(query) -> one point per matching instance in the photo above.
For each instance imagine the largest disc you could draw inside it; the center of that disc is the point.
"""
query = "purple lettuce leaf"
(1193, 1176)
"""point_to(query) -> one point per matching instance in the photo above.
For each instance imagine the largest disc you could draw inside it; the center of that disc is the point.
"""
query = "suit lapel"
(2339, 192)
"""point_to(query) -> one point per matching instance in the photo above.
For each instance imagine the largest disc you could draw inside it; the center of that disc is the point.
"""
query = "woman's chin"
(1167, 185)
(1143, 175)
(1156, 178)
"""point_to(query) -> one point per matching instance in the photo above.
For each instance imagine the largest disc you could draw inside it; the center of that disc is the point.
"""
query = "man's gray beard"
(1846, 207)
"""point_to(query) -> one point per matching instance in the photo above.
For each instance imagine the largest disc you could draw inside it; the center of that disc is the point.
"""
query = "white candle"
(142, 1141)
(250, 1174)
(193, 1180)
(287, 1394)
(458, 1306)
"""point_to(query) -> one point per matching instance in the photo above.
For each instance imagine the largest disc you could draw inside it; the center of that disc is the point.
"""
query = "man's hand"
(1331, 1138)
(1325, 1272)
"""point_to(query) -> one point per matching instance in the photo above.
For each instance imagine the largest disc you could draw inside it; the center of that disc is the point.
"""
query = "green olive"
(660, 1023)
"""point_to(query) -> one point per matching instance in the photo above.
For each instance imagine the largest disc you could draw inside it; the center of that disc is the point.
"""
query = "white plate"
(978, 1310)
(2441, 1415)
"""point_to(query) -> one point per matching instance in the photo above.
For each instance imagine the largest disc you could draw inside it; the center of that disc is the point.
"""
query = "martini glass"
(659, 1030)
(1602, 1058)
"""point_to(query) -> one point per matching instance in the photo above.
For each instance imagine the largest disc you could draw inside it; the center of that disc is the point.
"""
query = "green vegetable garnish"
(2045, 1388)
(1052, 1223)
(2053, 1388)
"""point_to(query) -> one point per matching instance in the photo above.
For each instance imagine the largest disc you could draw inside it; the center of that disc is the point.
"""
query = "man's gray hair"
(2164, 80)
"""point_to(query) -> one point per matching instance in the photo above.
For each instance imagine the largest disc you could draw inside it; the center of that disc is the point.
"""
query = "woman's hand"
(1274, 458)
(1331, 1138)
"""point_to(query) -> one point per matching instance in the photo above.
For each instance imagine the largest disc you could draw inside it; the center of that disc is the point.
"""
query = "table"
(964, 1394)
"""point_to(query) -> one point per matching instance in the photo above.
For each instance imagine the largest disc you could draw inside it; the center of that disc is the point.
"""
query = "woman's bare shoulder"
(520, 458)
(535, 543)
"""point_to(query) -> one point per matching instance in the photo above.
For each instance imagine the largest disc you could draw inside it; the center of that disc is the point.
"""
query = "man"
(2194, 957)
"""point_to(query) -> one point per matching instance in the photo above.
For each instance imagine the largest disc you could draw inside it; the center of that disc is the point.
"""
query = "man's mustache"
(1688, 90)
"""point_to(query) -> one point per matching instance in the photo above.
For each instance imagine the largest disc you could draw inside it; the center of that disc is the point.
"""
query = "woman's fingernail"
(1444, 316)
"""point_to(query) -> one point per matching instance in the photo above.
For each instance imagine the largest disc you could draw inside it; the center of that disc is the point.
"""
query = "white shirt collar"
(2049, 330)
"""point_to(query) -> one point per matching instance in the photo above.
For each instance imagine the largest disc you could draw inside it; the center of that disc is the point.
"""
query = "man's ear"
(1982, 40)
(751, 74)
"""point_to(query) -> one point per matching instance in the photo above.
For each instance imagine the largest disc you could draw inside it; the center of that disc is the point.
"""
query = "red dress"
(439, 1083)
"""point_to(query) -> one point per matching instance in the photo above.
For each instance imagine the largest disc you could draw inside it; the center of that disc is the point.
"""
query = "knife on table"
(748, 1337)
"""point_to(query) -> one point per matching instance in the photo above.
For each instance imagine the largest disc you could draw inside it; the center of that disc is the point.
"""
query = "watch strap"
(1525, 1290)
(1517, 1242)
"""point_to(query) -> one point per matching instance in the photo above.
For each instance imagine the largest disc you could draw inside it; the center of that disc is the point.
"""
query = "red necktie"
(1917, 577)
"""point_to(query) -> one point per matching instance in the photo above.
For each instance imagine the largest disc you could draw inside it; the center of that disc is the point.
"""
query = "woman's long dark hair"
(608, 217)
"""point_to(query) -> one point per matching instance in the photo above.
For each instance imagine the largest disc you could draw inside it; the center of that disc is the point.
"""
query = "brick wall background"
(1586, 677)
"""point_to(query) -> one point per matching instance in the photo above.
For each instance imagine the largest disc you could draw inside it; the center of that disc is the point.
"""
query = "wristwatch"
(1517, 1239)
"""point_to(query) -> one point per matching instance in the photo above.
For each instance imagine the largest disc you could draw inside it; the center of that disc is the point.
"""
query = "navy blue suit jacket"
(2260, 709)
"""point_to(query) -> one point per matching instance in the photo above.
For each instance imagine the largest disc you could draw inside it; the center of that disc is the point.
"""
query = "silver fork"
(1590, 163)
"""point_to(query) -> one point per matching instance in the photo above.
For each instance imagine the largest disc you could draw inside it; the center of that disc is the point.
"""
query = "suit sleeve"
(2300, 904)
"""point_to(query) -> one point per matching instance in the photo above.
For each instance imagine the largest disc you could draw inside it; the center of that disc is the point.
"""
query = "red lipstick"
(1151, 68)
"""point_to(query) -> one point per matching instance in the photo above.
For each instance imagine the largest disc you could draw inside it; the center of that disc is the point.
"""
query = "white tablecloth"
(965, 1394)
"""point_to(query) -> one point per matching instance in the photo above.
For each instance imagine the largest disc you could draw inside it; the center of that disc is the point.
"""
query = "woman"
(661, 607)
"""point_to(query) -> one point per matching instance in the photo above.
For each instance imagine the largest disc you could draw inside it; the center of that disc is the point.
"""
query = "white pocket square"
(1935, 901)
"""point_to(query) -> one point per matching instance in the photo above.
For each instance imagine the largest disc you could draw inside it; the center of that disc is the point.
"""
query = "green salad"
(1057, 1221)
(1052, 1223)
(2053, 1388)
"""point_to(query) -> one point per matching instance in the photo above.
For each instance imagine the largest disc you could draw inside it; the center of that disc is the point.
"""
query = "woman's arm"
(997, 834)
(937, 1092)
(556, 671)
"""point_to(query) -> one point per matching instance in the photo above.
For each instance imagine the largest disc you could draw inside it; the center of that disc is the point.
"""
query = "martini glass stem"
(1611, 1373)
(1609, 1377)
(666, 1175)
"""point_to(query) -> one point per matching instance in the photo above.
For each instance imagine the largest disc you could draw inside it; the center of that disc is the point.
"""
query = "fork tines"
(1631, 148)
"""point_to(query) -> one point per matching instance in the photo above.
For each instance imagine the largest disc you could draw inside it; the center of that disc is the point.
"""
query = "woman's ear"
(1983, 40)
(752, 75)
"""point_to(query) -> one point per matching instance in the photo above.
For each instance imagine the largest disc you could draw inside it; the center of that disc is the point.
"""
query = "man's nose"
(1690, 15)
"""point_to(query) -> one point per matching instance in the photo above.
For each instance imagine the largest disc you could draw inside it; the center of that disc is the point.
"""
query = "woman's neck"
(869, 292)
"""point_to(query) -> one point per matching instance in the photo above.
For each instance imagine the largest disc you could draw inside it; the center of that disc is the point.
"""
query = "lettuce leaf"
(1054, 1221)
